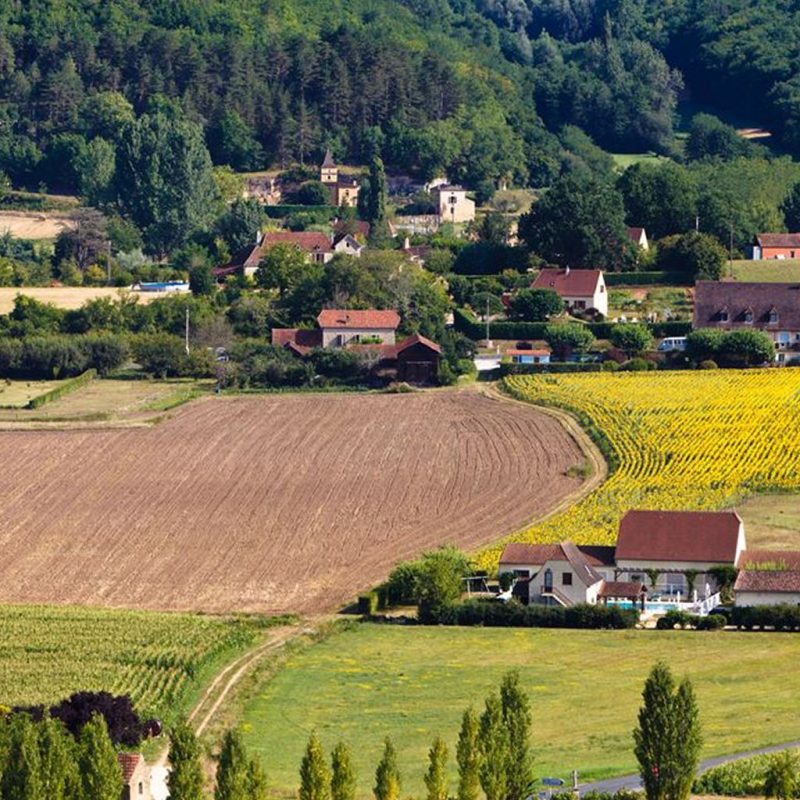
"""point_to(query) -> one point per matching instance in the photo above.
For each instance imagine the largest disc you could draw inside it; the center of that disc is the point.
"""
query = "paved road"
(634, 781)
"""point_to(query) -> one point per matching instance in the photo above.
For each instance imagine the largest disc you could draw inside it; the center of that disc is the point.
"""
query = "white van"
(672, 343)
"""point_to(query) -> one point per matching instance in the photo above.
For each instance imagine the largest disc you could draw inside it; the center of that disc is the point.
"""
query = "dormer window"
(723, 314)
(773, 316)
(748, 316)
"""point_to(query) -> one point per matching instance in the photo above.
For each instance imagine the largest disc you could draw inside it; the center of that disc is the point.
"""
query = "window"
(566, 579)
(141, 788)
(748, 316)
(773, 317)
(723, 315)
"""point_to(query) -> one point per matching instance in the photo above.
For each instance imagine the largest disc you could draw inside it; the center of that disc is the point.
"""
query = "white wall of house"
(671, 577)
(767, 598)
(455, 206)
(574, 590)
(339, 337)
(598, 300)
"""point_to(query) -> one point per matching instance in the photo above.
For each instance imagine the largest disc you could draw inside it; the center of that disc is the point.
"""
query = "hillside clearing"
(33, 224)
(270, 503)
(585, 687)
(771, 521)
(65, 296)
(772, 271)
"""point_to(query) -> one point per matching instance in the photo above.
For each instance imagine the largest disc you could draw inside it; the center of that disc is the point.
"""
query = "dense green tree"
(579, 222)
(313, 193)
(234, 777)
(201, 279)
(704, 344)
(709, 137)
(376, 202)
(160, 354)
(101, 775)
(257, 788)
(468, 756)
(315, 775)
(536, 305)
(748, 348)
(697, 255)
(343, 776)
(241, 224)
(440, 579)
(387, 774)
(60, 777)
(495, 743)
(791, 209)
(96, 166)
(660, 197)
(568, 338)
(436, 781)
(22, 774)
(518, 720)
(164, 179)
(632, 338)
(282, 268)
(185, 779)
(105, 114)
(231, 142)
(667, 739)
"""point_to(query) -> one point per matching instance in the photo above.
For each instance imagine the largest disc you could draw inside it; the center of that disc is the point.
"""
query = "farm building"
(770, 307)
(582, 290)
(656, 548)
(135, 776)
(768, 578)
(776, 246)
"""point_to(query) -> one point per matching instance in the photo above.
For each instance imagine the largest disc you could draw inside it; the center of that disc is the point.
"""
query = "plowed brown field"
(277, 503)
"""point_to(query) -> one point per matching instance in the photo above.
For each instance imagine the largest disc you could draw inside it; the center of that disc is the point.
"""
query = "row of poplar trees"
(493, 755)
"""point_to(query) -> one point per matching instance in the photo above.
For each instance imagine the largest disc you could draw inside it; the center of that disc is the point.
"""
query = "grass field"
(776, 271)
(682, 440)
(625, 160)
(64, 296)
(585, 686)
(103, 400)
(161, 660)
(772, 521)
(17, 394)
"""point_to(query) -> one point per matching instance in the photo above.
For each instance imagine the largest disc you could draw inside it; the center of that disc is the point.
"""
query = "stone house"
(344, 189)
(452, 204)
(342, 327)
(135, 776)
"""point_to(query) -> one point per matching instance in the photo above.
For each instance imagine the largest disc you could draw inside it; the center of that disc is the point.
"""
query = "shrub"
(708, 364)
(736, 779)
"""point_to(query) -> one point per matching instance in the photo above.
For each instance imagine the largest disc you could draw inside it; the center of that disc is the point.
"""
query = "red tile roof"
(538, 554)
(569, 282)
(310, 241)
(759, 580)
(632, 590)
(778, 239)
(128, 763)
(366, 319)
(417, 339)
(701, 536)
(281, 337)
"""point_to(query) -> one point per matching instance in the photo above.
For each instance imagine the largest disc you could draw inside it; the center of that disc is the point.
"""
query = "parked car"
(672, 343)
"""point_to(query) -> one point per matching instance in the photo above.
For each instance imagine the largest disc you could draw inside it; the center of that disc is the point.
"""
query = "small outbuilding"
(135, 776)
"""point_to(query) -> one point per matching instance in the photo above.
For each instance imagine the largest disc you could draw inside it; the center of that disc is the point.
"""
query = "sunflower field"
(691, 440)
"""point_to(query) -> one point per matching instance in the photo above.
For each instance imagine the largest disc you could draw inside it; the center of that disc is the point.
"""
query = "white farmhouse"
(453, 205)
(582, 290)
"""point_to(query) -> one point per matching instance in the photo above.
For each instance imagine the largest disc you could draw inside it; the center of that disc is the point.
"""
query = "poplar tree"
(22, 776)
(315, 776)
(256, 781)
(517, 718)
(468, 757)
(667, 739)
(185, 780)
(387, 775)
(101, 774)
(57, 748)
(495, 750)
(343, 776)
(233, 769)
(436, 776)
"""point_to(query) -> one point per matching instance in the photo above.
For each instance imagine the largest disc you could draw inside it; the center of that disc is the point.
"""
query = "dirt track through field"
(271, 503)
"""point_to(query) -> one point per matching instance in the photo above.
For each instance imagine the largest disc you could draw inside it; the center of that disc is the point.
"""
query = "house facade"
(770, 307)
(656, 551)
(582, 290)
(776, 246)
(639, 237)
(348, 245)
(135, 777)
(768, 578)
(344, 189)
(316, 246)
(342, 327)
(452, 204)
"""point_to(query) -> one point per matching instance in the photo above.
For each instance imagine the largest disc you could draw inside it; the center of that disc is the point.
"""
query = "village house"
(348, 245)
(344, 189)
(639, 237)
(776, 246)
(582, 290)
(667, 553)
(529, 355)
(452, 204)
(770, 307)
(373, 333)
(135, 777)
(768, 578)
(316, 246)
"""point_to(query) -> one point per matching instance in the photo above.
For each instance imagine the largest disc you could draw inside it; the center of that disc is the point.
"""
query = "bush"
(708, 364)
(368, 604)
(736, 779)
(638, 365)
(776, 618)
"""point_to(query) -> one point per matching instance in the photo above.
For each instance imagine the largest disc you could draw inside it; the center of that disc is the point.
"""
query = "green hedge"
(774, 618)
(648, 279)
(541, 369)
(65, 388)
(496, 614)
(743, 778)
(685, 620)
(286, 210)
(474, 329)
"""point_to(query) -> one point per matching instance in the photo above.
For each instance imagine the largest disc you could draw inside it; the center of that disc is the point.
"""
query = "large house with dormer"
(770, 307)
